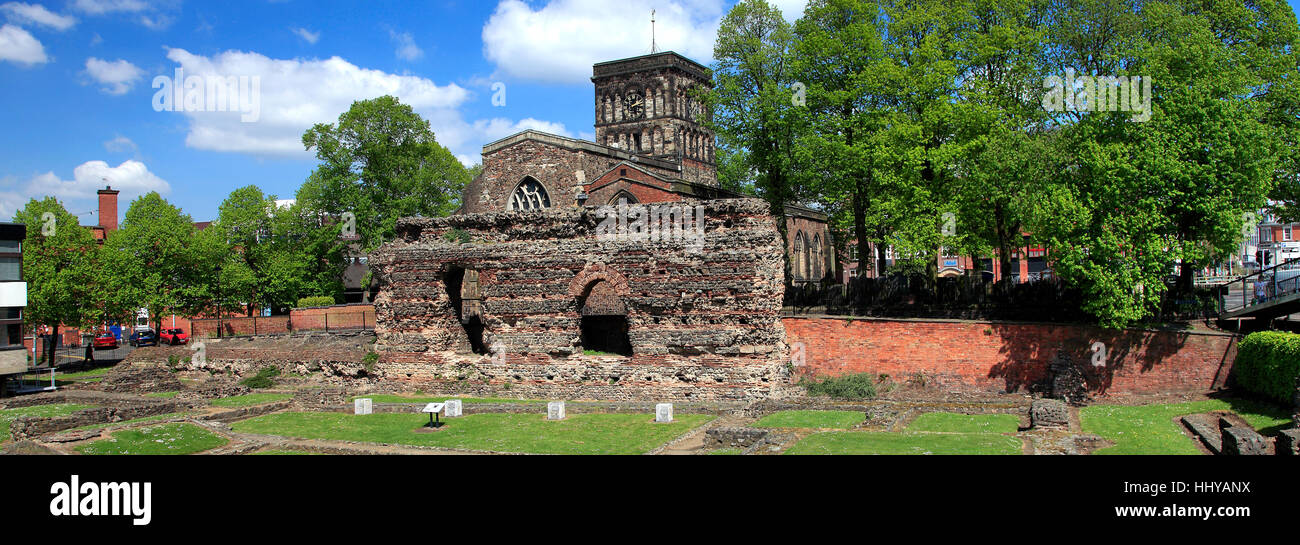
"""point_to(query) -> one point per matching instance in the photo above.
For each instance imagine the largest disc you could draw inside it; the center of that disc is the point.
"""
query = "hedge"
(1268, 363)
(318, 301)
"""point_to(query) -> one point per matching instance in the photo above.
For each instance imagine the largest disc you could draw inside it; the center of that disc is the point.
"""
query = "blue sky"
(77, 105)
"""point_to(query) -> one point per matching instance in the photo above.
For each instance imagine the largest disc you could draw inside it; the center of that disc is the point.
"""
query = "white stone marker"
(363, 406)
(664, 412)
(555, 410)
(452, 409)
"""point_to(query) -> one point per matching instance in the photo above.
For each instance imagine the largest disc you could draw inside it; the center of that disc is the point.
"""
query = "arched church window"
(797, 256)
(530, 195)
(817, 257)
(624, 196)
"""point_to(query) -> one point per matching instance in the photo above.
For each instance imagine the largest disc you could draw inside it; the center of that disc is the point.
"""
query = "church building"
(652, 145)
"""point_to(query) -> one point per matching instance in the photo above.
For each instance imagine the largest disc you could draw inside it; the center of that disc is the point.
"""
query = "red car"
(173, 337)
(105, 340)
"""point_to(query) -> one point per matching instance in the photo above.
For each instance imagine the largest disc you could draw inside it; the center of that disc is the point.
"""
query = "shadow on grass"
(1246, 403)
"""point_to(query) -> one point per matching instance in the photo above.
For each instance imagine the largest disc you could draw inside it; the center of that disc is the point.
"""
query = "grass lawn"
(966, 423)
(811, 419)
(578, 434)
(59, 376)
(1150, 429)
(247, 400)
(396, 398)
(880, 442)
(163, 395)
(177, 438)
(140, 420)
(43, 411)
(287, 453)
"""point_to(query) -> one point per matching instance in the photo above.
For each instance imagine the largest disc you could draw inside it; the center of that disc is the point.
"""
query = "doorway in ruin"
(604, 320)
(467, 300)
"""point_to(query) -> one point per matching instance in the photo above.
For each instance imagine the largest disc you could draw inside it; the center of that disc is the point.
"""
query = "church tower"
(647, 106)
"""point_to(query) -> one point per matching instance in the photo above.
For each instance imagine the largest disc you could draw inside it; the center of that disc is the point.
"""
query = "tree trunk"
(866, 261)
(54, 343)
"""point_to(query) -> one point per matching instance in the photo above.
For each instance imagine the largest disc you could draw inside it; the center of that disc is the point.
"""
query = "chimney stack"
(108, 209)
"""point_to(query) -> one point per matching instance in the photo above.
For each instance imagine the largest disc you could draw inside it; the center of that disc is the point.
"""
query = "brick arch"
(595, 272)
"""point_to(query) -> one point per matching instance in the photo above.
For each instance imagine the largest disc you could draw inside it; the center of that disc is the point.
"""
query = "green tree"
(752, 103)
(380, 162)
(838, 55)
(1135, 199)
(155, 261)
(59, 263)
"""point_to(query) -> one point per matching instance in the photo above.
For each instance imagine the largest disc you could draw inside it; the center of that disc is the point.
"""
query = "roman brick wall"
(703, 323)
(1012, 357)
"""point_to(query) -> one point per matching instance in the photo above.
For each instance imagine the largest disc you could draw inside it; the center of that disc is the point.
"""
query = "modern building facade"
(13, 299)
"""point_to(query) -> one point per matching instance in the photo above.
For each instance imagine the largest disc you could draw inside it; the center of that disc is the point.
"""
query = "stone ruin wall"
(703, 324)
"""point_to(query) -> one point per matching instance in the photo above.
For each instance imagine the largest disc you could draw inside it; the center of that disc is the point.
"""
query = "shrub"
(317, 301)
(1268, 363)
(263, 379)
(854, 386)
(456, 236)
(369, 361)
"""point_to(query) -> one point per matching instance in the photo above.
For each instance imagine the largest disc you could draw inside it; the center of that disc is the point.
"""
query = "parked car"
(173, 337)
(105, 341)
(144, 337)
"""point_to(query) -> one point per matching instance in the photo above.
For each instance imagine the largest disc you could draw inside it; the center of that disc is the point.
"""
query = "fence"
(971, 297)
(1266, 285)
(325, 319)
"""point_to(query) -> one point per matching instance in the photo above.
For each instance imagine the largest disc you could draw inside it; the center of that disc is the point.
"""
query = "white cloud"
(120, 144)
(100, 7)
(117, 77)
(307, 35)
(558, 42)
(132, 178)
(495, 129)
(155, 15)
(37, 14)
(791, 9)
(18, 46)
(406, 48)
(298, 93)
(156, 22)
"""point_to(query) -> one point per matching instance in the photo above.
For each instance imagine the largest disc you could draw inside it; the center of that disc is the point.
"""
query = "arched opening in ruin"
(604, 323)
(464, 293)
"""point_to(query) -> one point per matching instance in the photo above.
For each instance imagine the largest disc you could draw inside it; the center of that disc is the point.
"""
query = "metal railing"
(1269, 284)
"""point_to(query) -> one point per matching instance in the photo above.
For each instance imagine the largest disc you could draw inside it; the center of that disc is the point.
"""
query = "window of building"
(530, 195)
(623, 197)
(1286, 233)
(1266, 235)
(11, 269)
(11, 246)
(798, 258)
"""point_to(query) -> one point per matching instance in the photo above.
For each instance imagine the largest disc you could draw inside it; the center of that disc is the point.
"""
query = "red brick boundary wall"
(1012, 357)
(355, 316)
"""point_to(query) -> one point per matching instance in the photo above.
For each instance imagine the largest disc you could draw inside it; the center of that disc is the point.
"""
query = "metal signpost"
(433, 409)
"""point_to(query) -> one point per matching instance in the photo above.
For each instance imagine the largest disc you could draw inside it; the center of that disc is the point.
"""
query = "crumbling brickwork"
(702, 322)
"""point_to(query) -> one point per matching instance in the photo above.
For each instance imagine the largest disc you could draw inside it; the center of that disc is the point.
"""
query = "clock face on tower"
(634, 105)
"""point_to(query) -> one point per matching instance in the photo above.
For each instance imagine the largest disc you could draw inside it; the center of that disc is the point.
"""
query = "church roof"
(653, 61)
